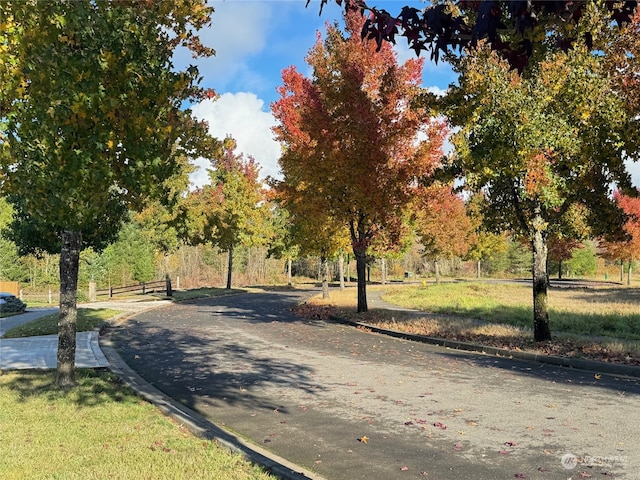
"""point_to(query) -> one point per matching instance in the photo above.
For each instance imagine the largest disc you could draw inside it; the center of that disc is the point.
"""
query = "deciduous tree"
(352, 133)
(92, 120)
(232, 205)
(442, 225)
(515, 29)
(627, 248)
(540, 144)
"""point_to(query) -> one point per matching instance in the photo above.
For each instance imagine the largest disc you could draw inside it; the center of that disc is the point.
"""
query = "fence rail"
(143, 288)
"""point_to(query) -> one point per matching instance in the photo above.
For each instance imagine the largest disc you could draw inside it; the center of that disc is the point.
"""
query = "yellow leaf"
(363, 439)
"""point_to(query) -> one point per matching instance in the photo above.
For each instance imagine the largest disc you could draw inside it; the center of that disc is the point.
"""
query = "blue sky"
(254, 41)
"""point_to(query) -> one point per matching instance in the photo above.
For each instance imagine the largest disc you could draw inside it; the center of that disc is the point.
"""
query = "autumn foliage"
(628, 248)
(353, 136)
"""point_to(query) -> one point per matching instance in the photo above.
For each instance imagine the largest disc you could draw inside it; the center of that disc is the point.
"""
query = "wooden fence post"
(168, 282)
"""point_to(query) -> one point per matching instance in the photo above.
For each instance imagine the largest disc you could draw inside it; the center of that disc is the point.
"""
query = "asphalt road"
(312, 391)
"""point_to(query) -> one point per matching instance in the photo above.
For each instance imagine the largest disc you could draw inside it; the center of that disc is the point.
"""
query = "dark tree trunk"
(361, 270)
(359, 242)
(69, 262)
(560, 270)
(230, 268)
(541, 328)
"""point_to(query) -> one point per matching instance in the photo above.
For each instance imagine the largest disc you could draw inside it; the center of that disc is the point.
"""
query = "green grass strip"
(100, 430)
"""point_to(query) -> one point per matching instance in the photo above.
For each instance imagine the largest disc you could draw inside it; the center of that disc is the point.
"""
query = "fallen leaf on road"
(363, 439)
(440, 426)
(457, 447)
(404, 469)
(510, 443)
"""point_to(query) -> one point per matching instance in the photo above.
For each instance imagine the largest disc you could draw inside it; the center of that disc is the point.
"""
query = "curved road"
(311, 390)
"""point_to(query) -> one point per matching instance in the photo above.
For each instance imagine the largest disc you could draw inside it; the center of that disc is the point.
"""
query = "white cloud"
(241, 116)
(634, 170)
(238, 30)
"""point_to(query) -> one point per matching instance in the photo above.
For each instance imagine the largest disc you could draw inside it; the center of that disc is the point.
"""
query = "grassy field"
(100, 430)
(613, 312)
(596, 323)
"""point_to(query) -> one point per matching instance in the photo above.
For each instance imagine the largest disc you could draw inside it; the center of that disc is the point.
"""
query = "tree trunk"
(341, 270)
(348, 269)
(289, 272)
(541, 328)
(629, 272)
(437, 269)
(324, 270)
(361, 271)
(359, 243)
(560, 270)
(68, 315)
(230, 268)
(479, 268)
(383, 271)
(621, 270)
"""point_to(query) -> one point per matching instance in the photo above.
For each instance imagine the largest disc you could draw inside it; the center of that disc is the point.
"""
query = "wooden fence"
(10, 287)
(140, 288)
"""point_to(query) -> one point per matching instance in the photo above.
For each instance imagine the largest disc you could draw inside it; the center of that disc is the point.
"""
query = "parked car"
(9, 303)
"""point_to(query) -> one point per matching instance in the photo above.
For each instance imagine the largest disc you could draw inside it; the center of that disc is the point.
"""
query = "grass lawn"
(88, 319)
(100, 430)
(596, 323)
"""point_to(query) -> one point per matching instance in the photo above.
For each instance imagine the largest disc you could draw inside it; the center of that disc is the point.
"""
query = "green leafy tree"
(282, 244)
(92, 121)
(11, 267)
(583, 261)
(539, 144)
(130, 258)
(160, 221)
(484, 245)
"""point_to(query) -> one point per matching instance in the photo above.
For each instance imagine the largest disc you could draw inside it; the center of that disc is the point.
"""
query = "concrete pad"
(41, 352)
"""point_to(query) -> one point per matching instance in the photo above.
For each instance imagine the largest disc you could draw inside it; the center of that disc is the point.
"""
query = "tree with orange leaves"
(443, 226)
(352, 135)
(628, 248)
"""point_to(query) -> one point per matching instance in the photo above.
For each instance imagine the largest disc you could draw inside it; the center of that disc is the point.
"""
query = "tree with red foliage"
(351, 133)
(627, 249)
(442, 225)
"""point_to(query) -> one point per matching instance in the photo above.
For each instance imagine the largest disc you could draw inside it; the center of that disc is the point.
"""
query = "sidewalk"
(41, 352)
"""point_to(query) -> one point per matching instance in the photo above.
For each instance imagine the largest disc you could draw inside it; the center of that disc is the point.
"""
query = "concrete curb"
(197, 423)
(577, 363)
